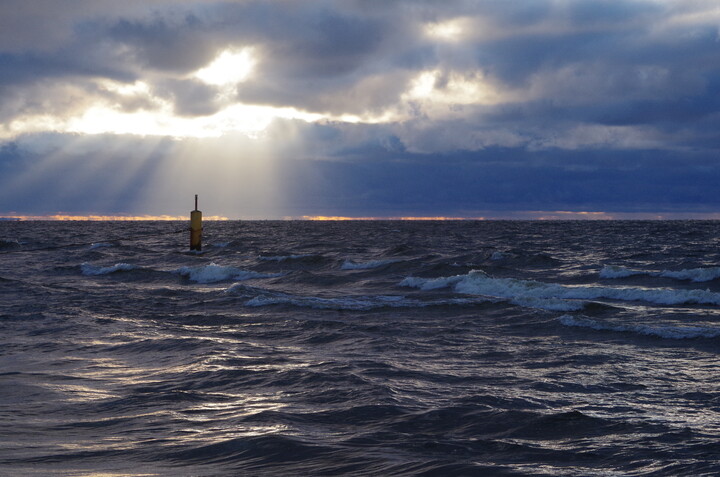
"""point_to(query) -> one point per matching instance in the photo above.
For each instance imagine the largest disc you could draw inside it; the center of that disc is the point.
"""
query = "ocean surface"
(360, 348)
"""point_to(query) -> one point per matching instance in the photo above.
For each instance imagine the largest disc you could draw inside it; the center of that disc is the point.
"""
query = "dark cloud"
(190, 97)
(531, 105)
(181, 46)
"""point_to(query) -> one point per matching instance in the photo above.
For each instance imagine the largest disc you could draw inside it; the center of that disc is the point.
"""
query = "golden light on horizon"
(342, 218)
(100, 218)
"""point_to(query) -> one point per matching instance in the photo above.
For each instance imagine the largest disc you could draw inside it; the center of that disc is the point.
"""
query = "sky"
(272, 109)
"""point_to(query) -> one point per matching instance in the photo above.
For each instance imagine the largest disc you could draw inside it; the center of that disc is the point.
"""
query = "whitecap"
(283, 258)
(89, 269)
(350, 265)
(213, 273)
(499, 255)
(693, 274)
(518, 291)
(100, 245)
(353, 302)
(614, 271)
(431, 283)
(669, 332)
(340, 303)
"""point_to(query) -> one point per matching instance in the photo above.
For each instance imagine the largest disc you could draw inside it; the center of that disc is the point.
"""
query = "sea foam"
(283, 258)
(359, 303)
(523, 292)
(89, 269)
(350, 265)
(693, 274)
(669, 332)
(213, 273)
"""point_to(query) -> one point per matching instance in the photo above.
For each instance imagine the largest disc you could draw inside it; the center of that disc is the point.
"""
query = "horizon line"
(512, 215)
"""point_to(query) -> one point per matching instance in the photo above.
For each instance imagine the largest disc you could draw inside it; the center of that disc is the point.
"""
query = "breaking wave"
(350, 265)
(693, 274)
(523, 292)
(669, 332)
(90, 270)
(269, 298)
(283, 258)
(214, 273)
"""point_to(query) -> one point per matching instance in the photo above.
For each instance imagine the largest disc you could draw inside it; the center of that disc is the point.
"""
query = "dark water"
(360, 348)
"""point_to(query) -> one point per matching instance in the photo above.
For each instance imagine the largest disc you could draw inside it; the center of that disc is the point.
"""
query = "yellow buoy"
(195, 228)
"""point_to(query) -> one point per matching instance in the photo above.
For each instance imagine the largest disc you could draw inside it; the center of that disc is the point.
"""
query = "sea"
(360, 348)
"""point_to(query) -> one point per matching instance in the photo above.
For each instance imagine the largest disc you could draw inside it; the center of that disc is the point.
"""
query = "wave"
(100, 245)
(350, 265)
(283, 258)
(269, 298)
(613, 271)
(669, 332)
(693, 274)
(510, 292)
(4, 243)
(214, 273)
(527, 292)
(497, 255)
(90, 270)
(343, 303)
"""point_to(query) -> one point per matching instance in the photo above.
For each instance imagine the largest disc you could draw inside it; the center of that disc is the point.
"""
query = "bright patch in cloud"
(228, 68)
(238, 117)
(444, 93)
(138, 88)
(450, 30)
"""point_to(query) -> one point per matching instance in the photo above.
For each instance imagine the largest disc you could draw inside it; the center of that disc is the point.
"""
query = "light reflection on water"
(144, 371)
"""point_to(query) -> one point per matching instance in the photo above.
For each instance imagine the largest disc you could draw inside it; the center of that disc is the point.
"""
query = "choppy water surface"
(360, 348)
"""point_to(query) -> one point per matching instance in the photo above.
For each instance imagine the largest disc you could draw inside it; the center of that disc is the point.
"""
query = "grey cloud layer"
(595, 61)
(590, 97)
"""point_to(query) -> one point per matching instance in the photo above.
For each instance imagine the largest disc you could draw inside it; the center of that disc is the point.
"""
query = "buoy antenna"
(196, 201)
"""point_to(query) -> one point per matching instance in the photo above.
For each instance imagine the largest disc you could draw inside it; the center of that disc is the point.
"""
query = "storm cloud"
(360, 107)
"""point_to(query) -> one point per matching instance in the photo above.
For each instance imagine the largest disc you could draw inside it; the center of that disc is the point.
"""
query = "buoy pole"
(196, 227)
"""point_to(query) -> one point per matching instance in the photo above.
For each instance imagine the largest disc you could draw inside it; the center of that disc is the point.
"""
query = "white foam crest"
(693, 274)
(524, 292)
(614, 271)
(341, 303)
(431, 283)
(100, 245)
(89, 269)
(669, 332)
(549, 304)
(283, 258)
(479, 283)
(213, 273)
(350, 265)
(353, 303)
(497, 255)
(544, 303)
